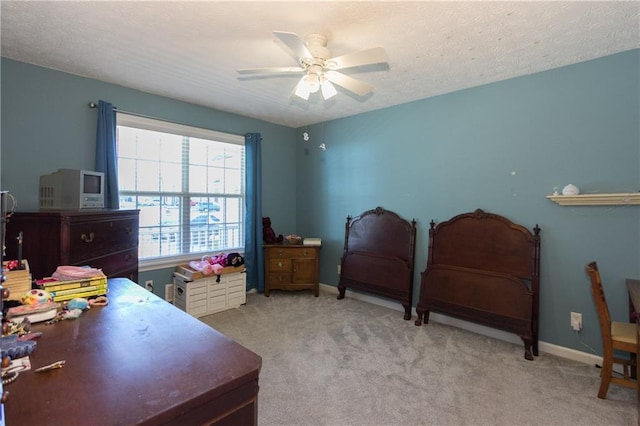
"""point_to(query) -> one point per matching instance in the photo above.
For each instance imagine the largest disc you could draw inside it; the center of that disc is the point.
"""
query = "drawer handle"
(280, 264)
(127, 257)
(304, 253)
(128, 230)
(179, 290)
(280, 278)
(86, 239)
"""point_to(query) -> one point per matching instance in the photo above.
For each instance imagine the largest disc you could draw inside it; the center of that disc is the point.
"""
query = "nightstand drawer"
(278, 278)
(291, 252)
(280, 265)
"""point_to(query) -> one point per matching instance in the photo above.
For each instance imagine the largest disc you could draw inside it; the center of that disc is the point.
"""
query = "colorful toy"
(78, 303)
(34, 297)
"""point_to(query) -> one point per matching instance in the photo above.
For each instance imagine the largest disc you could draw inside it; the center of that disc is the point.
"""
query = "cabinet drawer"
(275, 278)
(290, 252)
(116, 264)
(279, 265)
(100, 237)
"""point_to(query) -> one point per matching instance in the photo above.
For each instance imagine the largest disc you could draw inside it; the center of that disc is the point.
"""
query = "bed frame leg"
(407, 312)
(341, 290)
(527, 348)
(422, 315)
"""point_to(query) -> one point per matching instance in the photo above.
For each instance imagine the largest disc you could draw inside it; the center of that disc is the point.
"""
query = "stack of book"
(67, 290)
(18, 281)
(34, 313)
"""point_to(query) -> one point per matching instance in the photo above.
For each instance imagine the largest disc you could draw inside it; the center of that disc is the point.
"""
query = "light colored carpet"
(348, 362)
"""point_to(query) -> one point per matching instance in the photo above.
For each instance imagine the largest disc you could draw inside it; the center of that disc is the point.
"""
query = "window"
(188, 184)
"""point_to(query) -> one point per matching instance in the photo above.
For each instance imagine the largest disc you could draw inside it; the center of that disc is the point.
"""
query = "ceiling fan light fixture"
(313, 82)
(328, 90)
(302, 89)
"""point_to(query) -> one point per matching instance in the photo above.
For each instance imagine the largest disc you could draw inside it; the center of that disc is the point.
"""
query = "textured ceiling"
(191, 50)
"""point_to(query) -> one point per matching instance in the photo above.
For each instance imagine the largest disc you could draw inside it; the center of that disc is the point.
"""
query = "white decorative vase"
(570, 190)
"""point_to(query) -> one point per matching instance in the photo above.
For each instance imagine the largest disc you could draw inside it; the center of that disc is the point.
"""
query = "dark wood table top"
(137, 360)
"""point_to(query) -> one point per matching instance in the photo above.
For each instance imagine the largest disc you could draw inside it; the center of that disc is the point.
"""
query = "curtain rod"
(95, 105)
(116, 109)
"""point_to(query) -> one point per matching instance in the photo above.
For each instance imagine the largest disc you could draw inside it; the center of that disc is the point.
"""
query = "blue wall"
(47, 124)
(501, 147)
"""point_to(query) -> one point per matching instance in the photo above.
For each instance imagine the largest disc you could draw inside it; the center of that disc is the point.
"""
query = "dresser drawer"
(100, 237)
(291, 252)
(278, 278)
(279, 265)
(115, 264)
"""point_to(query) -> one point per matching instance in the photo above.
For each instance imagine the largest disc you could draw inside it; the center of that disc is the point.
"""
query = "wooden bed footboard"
(483, 268)
(493, 299)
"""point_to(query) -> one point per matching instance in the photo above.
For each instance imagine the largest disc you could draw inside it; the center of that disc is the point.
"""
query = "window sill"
(171, 262)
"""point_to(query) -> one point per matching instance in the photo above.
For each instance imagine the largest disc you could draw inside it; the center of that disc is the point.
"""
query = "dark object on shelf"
(483, 268)
(268, 234)
(378, 256)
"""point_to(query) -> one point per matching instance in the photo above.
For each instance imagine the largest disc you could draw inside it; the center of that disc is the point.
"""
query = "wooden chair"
(620, 336)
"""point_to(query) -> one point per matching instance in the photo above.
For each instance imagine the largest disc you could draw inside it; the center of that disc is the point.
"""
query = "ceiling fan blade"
(272, 70)
(294, 43)
(358, 87)
(375, 55)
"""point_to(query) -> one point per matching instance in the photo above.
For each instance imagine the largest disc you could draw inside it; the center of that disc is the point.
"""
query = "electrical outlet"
(168, 292)
(339, 268)
(148, 284)
(576, 321)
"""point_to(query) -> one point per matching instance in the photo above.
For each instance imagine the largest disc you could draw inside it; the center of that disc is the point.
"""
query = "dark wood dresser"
(138, 360)
(106, 239)
(291, 267)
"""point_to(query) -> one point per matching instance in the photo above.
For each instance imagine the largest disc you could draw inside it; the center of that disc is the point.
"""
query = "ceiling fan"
(319, 69)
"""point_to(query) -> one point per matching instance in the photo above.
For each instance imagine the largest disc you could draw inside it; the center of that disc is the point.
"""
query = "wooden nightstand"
(291, 267)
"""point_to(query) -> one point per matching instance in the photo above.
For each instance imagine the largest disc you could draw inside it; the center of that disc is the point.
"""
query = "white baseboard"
(549, 348)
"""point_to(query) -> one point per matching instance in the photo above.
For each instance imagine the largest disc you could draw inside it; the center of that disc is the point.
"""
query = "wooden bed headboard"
(378, 256)
(481, 267)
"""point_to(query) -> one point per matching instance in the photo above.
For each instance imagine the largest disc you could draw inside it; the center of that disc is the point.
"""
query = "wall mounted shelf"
(620, 199)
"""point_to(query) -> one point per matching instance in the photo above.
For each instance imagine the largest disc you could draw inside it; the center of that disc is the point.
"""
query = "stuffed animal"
(235, 259)
(268, 234)
(35, 297)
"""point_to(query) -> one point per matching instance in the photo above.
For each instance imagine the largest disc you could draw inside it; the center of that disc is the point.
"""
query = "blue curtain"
(253, 254)
(106, 160)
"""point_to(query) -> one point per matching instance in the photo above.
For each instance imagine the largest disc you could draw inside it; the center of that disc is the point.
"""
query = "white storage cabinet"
(210, 294)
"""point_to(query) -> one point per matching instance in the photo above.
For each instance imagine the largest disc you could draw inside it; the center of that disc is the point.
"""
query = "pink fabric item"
(202, 266)
(71, 273)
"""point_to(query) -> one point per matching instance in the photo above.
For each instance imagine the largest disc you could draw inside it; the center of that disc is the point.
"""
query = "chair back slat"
(600, 301)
